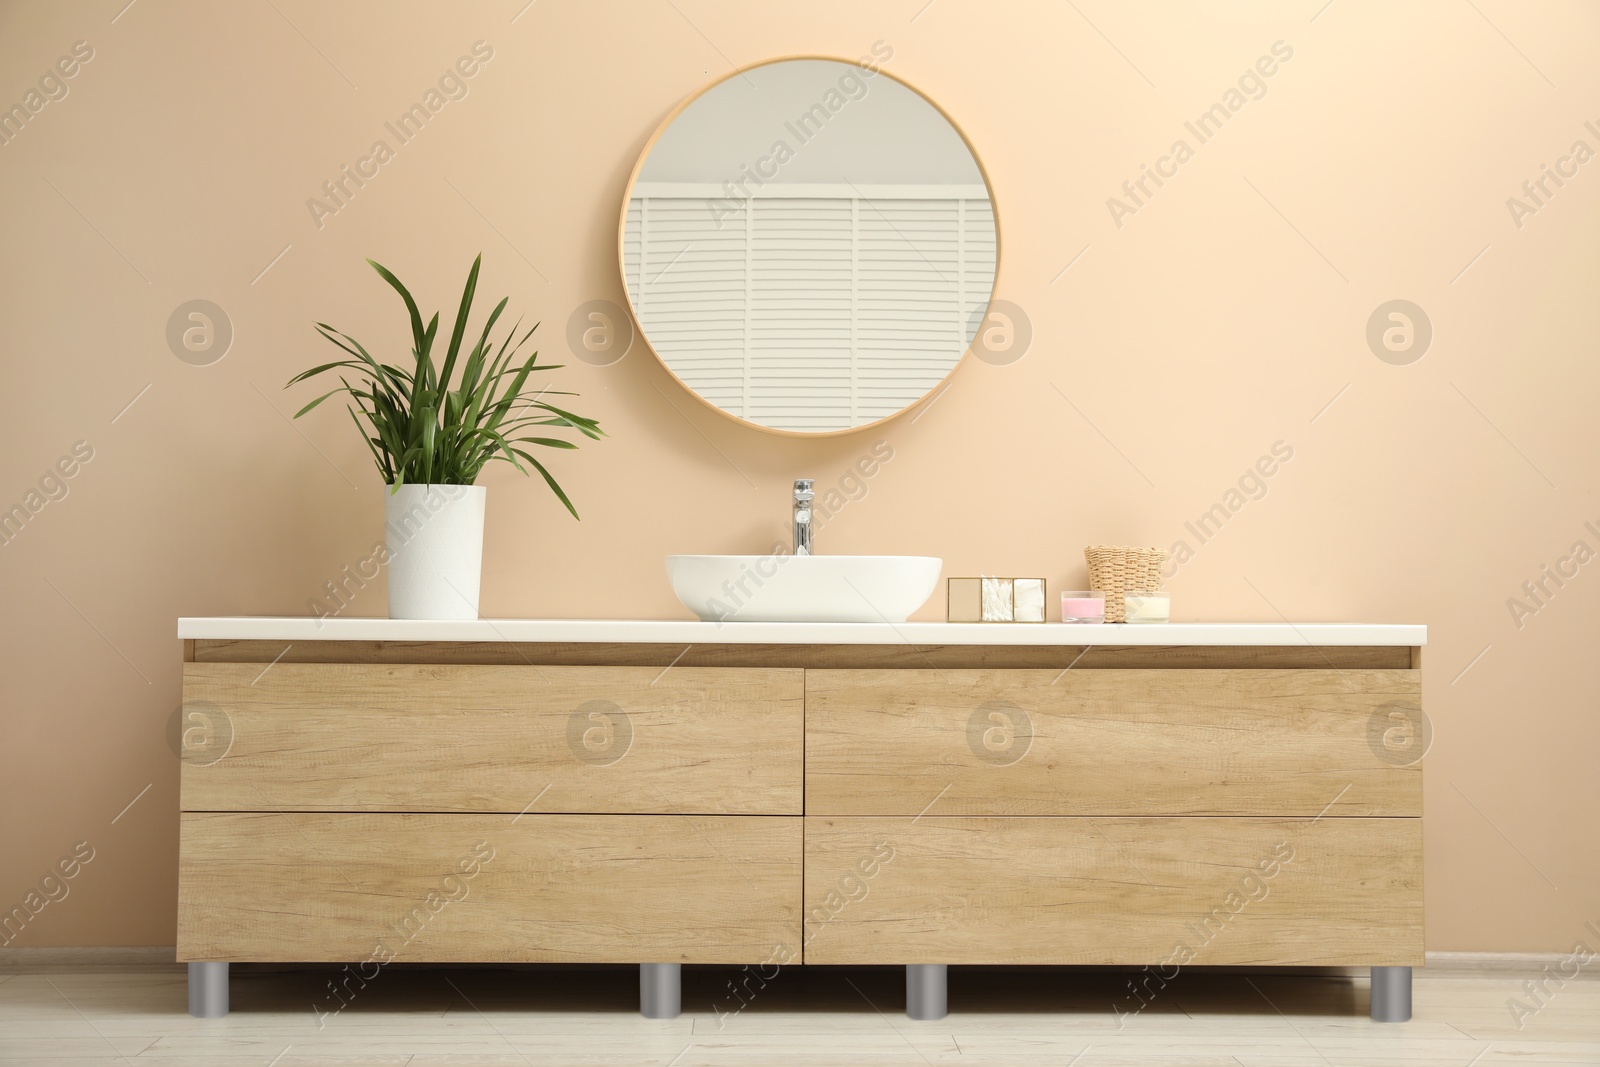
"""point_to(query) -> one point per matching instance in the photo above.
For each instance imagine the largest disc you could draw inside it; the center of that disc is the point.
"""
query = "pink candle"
(1083, 606)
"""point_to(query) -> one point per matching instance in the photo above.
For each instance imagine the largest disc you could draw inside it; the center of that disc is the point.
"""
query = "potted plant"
(431, 434)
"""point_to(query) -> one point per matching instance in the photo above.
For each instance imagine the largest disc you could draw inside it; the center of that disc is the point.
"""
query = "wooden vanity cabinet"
(1208, 816)
(373, 802)
(497, 813)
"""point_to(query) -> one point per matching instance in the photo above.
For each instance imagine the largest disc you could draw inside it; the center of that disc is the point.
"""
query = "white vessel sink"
(803, 588)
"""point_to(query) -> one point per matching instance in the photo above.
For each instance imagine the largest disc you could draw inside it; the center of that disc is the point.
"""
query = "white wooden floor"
(484, 1016)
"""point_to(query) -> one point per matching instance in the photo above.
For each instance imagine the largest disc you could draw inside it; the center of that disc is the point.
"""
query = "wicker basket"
(1115, 569)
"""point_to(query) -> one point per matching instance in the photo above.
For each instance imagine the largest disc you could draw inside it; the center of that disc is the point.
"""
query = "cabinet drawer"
(1109, 742)
(483, 888)
(474, 738)
(1114, 891)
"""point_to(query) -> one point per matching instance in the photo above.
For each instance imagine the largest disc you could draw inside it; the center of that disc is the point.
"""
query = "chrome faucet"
(802, 516)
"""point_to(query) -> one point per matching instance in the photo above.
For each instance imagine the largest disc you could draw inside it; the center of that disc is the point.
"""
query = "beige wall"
(1222, 317)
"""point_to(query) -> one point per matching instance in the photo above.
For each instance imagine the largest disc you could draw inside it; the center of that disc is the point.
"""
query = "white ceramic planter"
(435, 540)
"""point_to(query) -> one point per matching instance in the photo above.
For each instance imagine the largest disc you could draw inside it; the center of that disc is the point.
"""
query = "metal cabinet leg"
(927, 990)
(1391, 994)
(660, 990)
(208, 990)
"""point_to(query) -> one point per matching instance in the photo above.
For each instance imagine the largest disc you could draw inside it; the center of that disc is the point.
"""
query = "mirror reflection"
(809, 246)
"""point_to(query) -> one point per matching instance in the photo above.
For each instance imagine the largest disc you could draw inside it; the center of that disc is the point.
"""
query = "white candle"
(1148, 607)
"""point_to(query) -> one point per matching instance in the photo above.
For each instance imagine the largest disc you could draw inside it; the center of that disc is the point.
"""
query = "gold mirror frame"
(622, 233)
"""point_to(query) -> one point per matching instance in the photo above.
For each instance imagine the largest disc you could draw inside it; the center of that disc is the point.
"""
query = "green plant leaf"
(411, 305)
(372, 443)
(461, 323)
(421, 426)
(550, 481)
(548, 442)
(319, 400)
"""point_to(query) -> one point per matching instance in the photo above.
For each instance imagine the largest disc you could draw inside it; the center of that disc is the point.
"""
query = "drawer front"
(1110, 742)
(473, 738)
(296, 887)
(1344, 892)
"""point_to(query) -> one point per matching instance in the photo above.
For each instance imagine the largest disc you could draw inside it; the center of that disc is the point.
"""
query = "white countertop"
(260, 628)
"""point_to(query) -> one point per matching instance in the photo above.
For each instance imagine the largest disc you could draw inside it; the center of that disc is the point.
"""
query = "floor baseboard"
(1495, 962)
(144, 958)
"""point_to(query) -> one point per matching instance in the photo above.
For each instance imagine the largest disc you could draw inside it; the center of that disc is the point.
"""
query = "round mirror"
(809, 245)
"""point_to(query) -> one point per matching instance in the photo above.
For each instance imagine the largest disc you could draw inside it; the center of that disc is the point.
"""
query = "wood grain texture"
(1147, 742)
(914, 657)
(461, 888)
(376, 737)
(1115, 891)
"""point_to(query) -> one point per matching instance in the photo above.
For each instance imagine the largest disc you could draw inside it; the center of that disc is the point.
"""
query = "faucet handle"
(803, 493)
